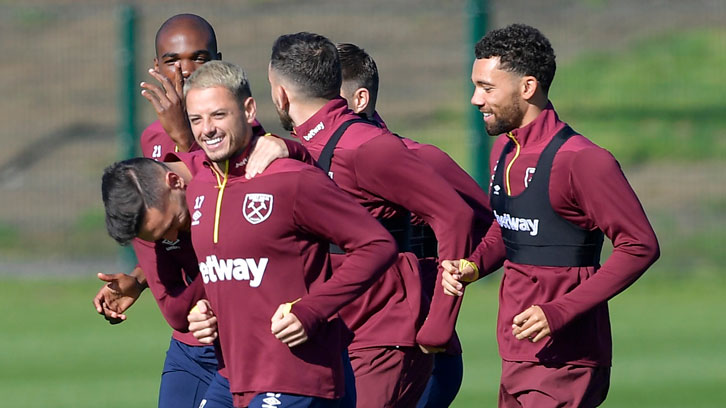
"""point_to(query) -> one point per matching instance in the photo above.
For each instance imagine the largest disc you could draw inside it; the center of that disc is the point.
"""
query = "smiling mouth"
(213, 142)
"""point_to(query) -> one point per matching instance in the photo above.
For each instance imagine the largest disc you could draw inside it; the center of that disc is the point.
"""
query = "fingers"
(451, 284)
(450, 266)
(278, 315)
(99, 299)
(203, 323)
(430, 350)
(266, 150)
(112, 316)
(202, 327)
(155, 95)
(178, 79)
(531, 324)
(107, 277)
(288, 329)
(169, 89)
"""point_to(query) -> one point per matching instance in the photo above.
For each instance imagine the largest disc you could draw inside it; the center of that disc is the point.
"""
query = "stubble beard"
(507, 119)
(285, 119)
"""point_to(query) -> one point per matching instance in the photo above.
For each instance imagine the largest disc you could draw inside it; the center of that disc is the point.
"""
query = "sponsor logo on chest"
(506, 221)
(239, 269)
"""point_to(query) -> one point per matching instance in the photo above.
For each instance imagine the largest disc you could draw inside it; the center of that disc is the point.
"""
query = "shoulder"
(497, 147)
(153, 130)
(585, 159)
(285, 165)
(359, 133)
(193, 160)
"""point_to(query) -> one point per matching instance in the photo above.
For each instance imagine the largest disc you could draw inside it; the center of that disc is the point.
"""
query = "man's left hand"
(287, 328)
(267, 149)
(531, 324)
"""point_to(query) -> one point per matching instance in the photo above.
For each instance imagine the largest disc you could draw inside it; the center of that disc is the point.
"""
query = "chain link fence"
(59, 81)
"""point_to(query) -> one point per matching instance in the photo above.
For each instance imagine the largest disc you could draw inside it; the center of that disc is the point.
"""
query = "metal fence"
(60, 91)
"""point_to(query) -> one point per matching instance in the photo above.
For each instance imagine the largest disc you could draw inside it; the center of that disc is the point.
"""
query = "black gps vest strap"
(326, 156)
(533, 233)
(399, 227)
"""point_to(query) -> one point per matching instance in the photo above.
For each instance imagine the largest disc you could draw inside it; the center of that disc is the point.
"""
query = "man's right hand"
(203, 322)
(116, 296)
(453, 276)
(168, 101)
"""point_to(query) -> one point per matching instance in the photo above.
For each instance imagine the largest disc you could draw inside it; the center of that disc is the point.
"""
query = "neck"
(535, 106)
(219, 166)
(303, 110)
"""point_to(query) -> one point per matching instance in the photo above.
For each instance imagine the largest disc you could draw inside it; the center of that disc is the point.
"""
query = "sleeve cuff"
(309, 318)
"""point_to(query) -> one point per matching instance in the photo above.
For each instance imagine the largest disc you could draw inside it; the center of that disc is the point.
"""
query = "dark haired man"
(554, 194)
(360, 89)
(263, 250)
(374, 167)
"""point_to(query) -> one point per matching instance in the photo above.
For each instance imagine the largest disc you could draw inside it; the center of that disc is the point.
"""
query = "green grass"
(667, 333)
(659, 99)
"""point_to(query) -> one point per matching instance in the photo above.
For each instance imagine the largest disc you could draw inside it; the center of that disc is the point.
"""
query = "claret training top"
(588, 190)
(264, 242)
(375, 167)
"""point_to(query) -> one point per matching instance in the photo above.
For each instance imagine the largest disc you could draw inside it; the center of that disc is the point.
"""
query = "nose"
(208, 127)
(476, 99)
(187, 67)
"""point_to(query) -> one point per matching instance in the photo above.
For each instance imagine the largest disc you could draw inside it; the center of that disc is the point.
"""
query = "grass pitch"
(57, 351)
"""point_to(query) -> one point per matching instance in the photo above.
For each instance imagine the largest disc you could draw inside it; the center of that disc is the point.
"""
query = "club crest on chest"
(257, 207)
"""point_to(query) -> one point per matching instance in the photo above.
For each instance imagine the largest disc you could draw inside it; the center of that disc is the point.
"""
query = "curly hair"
(521, 49)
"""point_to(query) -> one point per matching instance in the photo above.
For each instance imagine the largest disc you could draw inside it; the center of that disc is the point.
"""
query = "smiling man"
(555, 195)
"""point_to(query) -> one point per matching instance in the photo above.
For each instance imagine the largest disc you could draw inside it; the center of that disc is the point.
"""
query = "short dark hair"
(359, 68)
(310, 61)
(192, 20)
(522, 49)
(128, 188)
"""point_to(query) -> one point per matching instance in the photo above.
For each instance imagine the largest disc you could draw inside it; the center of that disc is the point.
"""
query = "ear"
(174, 181)
(361, 99)
(156, 64)
(250, 107)
(281, 98)
(529, 87)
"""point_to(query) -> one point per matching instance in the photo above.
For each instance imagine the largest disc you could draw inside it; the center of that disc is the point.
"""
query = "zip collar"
(316, 131)
(540, 130)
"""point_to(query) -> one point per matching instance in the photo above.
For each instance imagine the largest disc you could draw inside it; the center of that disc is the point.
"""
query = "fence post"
(477, 19)
(127, 91)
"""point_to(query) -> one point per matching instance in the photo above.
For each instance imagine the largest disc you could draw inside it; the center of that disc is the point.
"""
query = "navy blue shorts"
(218, 395)
(188, 370)
(281, 400)
(444, 382)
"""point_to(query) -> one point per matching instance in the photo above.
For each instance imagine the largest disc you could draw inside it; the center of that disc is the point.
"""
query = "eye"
(194, 120)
